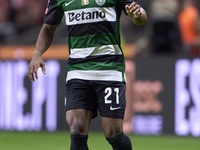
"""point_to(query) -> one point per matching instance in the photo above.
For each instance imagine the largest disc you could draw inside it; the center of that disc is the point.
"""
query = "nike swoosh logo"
(114, 108)
(66, 4)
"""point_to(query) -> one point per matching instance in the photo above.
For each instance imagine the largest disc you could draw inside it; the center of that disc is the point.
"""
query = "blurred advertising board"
(163, 98)
(166, 96)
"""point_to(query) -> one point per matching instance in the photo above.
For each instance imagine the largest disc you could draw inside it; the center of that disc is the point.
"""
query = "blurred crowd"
(19, 16)
(173, 28)
(173, 25)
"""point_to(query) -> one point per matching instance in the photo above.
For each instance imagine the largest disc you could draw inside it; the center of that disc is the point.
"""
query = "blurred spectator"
(28, 13)
(188, 22)
(129, 112)
(7, 26)
(165, 37)
(18, 20)
(27, 19)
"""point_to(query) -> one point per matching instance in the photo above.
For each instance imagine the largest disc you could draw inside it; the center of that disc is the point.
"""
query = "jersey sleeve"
(123, 3)
(53, 14)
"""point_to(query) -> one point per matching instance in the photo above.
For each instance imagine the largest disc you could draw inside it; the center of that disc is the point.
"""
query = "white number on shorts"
(108, 90)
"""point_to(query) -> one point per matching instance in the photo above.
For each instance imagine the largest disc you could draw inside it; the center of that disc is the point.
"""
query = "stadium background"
(163, 72)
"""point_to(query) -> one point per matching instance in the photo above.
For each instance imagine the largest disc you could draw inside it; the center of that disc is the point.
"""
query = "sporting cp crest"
(100, 2)
(85, 2)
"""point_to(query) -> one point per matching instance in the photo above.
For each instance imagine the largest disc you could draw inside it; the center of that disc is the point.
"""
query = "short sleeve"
(53, 14)
(123, 3)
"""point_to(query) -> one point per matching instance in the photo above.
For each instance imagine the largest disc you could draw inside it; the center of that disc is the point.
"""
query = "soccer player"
(95, 70)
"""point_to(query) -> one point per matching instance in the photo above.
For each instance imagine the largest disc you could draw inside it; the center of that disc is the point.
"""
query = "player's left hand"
(133, 10)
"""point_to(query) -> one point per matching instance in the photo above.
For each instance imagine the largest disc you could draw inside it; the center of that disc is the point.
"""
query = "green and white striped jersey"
(93, 37)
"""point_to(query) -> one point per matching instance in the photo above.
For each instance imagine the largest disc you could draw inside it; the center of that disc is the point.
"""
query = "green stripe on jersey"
(96, 66)
(93, 40)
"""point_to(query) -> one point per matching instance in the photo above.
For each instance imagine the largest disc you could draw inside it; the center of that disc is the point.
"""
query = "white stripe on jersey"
(100, 75)
(90, 15)
(92, 51)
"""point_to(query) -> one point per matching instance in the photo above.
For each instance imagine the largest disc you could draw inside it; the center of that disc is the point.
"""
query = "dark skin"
(79, 119)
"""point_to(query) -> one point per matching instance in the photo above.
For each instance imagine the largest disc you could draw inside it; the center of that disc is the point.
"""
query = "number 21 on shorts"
(109, 92)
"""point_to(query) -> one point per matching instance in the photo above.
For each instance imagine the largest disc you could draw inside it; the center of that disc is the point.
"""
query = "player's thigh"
(80, 95)
(111, 106)
(79, 120)
(80, 106)
(111, 126)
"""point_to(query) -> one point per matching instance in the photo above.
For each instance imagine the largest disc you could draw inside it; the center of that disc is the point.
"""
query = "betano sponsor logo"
(90, 15)
(86, 15)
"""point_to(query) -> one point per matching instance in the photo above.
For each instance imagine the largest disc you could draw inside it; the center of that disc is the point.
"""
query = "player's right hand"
(35, 63)
(133, 10)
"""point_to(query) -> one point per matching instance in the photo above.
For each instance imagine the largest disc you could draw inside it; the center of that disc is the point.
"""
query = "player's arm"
(137, 13)
(44, 40)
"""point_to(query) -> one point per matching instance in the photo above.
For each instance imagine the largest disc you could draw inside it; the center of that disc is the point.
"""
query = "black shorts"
(108, 97)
